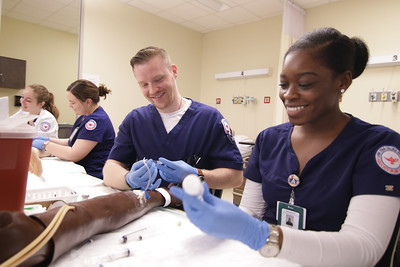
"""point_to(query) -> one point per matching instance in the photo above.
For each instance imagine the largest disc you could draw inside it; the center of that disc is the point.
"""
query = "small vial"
(192, 185)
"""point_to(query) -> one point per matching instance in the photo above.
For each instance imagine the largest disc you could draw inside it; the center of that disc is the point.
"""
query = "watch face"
(269, 250)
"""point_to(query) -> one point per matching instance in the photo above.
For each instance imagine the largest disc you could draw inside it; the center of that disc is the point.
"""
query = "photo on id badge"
(290, 215)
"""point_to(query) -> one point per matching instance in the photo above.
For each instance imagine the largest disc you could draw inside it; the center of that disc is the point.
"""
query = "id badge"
(290, 215)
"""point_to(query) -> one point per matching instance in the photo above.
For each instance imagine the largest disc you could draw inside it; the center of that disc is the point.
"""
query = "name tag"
(290, 215)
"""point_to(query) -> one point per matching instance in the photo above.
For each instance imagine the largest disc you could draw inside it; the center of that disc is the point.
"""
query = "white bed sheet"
(177, 241)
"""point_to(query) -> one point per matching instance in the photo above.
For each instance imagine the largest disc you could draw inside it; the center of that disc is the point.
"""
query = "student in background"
(337, 176)
(175, 136)
(92, 134)
(37, 100)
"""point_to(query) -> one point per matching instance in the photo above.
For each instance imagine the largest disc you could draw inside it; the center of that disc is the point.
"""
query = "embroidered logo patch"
(388, 158)
(44, 126)
(91, 125)
(227, 128)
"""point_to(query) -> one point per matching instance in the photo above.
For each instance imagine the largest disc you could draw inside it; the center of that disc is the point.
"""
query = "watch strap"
(201, 174)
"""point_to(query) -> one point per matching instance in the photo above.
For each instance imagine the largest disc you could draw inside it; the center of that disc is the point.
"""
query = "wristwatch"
(271, 248)
(201, 175)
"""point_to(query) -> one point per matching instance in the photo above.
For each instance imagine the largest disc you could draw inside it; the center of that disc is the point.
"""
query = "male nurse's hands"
(175, 171)
(139, 175)
(222, 219)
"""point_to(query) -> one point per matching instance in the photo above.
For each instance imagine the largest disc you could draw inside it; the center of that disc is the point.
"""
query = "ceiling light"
(214, 4)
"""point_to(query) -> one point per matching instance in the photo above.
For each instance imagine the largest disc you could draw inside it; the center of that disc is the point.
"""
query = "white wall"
(251, 46)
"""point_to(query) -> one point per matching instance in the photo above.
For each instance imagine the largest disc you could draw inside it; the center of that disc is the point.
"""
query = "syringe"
(108, 257)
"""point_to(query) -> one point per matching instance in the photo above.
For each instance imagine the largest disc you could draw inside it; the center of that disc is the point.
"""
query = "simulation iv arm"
(90, 217)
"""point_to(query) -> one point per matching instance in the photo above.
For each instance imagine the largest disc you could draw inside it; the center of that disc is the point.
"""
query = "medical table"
(161, 237)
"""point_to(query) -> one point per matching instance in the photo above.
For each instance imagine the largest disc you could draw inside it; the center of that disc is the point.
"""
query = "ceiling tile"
(29, 11)
(45, 5)
(311, 3)
(243, 2)
(144, 6)
(236, 15)
(163, 4)
(264, 9)
(67, 2)
(189, 13)
(212, 22)
(7, 5)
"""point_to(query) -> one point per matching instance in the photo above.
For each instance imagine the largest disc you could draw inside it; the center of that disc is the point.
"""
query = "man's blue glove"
(175, 171)
(38, 143)
(138, 176)
(222, 219)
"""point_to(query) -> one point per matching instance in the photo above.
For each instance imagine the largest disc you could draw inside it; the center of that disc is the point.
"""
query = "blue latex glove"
(138, 176)
(222, 219)
(175, 171)
(38, 143)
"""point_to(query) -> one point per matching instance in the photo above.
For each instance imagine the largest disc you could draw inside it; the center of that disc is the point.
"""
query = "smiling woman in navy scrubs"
(335, 176)
(92, 135)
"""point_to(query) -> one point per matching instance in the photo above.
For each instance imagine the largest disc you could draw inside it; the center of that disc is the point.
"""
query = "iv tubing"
(41, 240)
